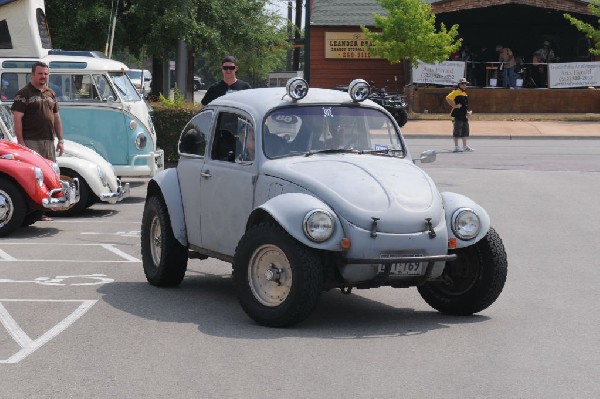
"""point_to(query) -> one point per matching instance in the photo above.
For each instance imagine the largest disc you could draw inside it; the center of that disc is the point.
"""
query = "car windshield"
(126, 89)
(134, 74)
(315, 129)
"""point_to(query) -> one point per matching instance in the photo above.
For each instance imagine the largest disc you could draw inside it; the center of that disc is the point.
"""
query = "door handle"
(206, 174)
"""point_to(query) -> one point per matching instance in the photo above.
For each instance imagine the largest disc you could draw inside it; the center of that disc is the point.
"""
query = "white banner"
(573, 74)
(441, 73)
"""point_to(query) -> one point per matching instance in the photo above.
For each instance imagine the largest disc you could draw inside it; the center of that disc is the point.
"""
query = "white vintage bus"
(99, 106)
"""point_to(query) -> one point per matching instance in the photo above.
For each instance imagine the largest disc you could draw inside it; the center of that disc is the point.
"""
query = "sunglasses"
(228, 67)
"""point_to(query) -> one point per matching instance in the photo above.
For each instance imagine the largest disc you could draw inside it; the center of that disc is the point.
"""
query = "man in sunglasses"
(229, 84)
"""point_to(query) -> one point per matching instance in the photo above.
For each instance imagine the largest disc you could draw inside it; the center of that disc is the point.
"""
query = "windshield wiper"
(333, 151)
(387, 151)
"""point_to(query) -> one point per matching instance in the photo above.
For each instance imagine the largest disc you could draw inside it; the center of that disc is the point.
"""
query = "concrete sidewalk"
(508, 129)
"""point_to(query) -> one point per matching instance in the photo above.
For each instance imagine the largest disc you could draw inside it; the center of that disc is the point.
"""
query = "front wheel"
(163, 257)
(12, 207)
(471, 283)
(278, 280)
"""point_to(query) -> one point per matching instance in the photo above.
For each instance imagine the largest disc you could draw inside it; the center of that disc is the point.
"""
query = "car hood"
(76, 150)
(25, 155)
(362, 187)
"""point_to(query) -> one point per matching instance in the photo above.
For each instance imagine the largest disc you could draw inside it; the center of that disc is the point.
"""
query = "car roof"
(260, 101)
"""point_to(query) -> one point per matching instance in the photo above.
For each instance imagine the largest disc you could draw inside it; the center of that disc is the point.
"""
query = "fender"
(87, 170)
(289, 211)
(452, 202)
(167, 182)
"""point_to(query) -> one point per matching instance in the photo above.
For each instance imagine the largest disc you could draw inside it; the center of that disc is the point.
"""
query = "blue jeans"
(508, 75)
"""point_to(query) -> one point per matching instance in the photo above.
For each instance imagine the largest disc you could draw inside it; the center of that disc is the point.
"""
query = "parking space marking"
(6, 257)
(28, 345)
(133, 233)
(59, 280)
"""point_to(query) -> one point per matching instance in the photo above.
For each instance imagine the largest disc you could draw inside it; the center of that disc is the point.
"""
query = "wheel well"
(153, 189)
(259, 216)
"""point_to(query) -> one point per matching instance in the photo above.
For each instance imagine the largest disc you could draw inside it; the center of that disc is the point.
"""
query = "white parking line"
(5, 257)
(28, 346)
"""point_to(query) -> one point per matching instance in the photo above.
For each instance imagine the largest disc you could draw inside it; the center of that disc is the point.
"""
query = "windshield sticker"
(327, 112)
(381, 147)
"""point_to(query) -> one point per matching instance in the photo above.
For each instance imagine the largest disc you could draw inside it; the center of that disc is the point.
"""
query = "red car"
(28, 185)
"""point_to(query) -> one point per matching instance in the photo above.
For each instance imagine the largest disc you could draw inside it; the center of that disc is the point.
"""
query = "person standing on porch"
(507, 65)
(459, 101)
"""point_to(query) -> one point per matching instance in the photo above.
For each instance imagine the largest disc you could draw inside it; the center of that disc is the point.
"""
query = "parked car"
(97, 179)
(141, 79)
(29, 184)
(198, 83)
(310, 190)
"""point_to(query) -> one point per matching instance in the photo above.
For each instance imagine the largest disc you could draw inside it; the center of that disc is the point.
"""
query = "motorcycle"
(393, 103)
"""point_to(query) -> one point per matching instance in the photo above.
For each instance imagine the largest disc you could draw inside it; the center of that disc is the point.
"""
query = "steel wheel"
(155, 240)
(270, 275)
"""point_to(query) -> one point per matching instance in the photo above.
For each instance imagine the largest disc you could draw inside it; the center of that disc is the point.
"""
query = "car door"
(192, 150)
(228, 182)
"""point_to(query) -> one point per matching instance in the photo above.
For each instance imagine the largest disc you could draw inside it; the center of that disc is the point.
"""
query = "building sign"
(573, 74)
(348, 45)
(445, 73)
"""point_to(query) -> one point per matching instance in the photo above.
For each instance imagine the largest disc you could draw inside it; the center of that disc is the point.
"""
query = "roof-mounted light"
(359, 90)
(297, 88)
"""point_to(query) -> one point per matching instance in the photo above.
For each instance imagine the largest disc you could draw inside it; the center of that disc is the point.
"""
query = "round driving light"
(132, 124)
(140, 141)
(297, 88)
(359, 90)
(465, 224)
(318, 225)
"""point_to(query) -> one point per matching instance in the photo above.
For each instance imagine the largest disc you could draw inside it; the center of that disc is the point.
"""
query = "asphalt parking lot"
(78, 318)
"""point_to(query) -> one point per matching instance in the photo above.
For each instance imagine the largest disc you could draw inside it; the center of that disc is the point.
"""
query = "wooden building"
(337, 53)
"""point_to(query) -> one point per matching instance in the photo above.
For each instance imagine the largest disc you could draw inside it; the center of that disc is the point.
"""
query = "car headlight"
(318, 225)
(132, 124)
(39, 177)
(101, 175)
(465, 223)
(56, 168)
(140, 141)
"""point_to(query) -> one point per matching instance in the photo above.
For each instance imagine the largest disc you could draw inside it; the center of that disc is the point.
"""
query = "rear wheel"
(471, 283)
(278, 280)
(12, 207)
(163, 257)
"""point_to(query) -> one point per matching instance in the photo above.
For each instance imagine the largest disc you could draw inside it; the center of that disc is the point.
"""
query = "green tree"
(408, 32)
(590, 31)
(151, 29)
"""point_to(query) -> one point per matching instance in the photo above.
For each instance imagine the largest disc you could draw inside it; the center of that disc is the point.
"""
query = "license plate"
(403, 269)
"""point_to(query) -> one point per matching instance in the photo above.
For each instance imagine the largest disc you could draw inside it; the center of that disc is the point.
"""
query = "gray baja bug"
(309, 190)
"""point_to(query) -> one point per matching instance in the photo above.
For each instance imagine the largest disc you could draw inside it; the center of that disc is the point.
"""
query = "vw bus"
(100, 107)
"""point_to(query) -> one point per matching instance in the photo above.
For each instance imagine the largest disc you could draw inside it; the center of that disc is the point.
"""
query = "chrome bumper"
(69, 198)
(121, 193)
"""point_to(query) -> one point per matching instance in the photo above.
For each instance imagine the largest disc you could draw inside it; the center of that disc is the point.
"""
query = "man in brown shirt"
(36, 117)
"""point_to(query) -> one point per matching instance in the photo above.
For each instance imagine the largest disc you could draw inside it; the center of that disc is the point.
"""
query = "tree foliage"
(152, 28)
(408, 32)
(589, 30)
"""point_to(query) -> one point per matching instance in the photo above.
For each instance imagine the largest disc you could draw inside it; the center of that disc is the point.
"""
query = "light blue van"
(99, 107)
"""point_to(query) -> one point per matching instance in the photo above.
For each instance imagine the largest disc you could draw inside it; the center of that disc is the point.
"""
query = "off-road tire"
(12, 207)
(472, 282)
(163, 257)
(294, 294)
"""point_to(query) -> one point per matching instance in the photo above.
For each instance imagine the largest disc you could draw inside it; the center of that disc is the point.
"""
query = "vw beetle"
(308, 190)
(30, 184)
(97, 179)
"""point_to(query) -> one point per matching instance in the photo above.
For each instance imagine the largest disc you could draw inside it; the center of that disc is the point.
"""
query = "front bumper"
(70, 196)
(121, 193)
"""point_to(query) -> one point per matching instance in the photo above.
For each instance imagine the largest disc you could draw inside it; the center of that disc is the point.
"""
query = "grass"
(583, 117)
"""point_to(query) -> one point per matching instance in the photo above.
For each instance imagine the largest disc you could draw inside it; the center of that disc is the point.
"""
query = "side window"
(12, 82)
(234, 138)
(195, 134)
